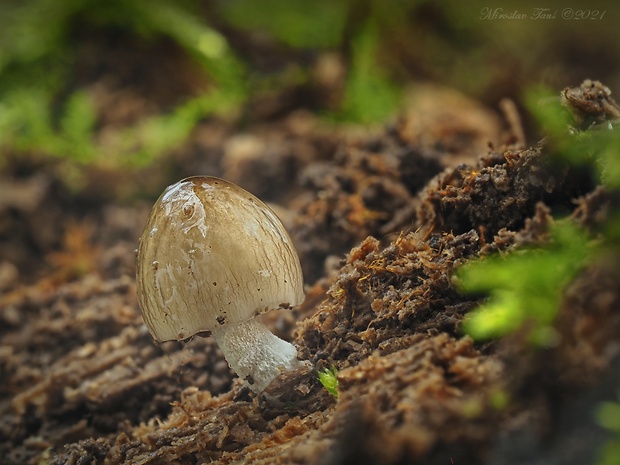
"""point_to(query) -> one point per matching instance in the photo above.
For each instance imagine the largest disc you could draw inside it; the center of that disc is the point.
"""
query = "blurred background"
(108, 102)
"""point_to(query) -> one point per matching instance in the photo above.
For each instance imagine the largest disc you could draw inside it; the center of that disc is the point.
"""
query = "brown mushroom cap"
(211, 254)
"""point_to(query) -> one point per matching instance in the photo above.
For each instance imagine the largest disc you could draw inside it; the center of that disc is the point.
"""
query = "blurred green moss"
(43, 113)
(608, 416)
(525, 287)
(370, 95)
(595, 149)
(381, 45)
(297, 23)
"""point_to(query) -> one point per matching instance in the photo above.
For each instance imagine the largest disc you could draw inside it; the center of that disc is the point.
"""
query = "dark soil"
(380, 221)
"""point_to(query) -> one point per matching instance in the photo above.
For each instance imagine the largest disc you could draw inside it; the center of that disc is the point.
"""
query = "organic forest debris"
(83, 381)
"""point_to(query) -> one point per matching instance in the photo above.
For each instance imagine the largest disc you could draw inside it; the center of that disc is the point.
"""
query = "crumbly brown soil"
(380, 221)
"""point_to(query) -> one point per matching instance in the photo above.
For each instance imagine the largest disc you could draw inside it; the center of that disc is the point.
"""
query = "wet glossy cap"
(211, 254)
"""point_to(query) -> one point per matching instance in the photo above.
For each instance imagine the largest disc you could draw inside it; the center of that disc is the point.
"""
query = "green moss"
(594, 149)
(499, 399)
(298, 23)
(329, 380)
(524, 287)
(42, 113)
(608, 416)
(370, 96)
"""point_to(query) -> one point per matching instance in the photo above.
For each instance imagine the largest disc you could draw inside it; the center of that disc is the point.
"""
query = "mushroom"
(213, 257)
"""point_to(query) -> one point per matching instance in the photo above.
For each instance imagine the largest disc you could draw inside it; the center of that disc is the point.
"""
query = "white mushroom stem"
(254, 352)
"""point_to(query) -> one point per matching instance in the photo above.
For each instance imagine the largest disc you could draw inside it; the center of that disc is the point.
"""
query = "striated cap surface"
(211, 254)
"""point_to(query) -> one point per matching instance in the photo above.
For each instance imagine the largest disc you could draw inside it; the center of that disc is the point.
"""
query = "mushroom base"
(254, 352)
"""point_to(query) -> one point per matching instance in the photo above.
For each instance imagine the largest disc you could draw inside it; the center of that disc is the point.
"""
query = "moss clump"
(329, 380)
